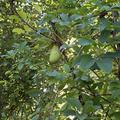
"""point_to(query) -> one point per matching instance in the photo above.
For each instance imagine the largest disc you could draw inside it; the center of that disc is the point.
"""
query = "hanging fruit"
(54, 54)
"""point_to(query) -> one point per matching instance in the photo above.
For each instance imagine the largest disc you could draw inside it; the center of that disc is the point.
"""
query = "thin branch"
(26, 23)
(56, 34)
(95, 73)
(106, 114)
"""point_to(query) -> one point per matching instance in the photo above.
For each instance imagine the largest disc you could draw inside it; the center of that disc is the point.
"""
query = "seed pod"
(54, 54)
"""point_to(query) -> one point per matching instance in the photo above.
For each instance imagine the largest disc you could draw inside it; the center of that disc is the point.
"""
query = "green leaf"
(69, 112)
(66, 68)
(105, 35)
(115, 116)
(105, 8)
(22, 14)
(115, 85)
(57, 75)
(20, 66)
(36, 117)
(2, 82)
(65, 20)
(116, 93)
(33, 92)
(14, 17)
(75, 17)
(11, 54)
(82, 117)
(112, 55)
(37, 7)
(28, 29)
(64, 17)
(88, 107)
(105, 64)
(74, 102)
(103, 24)
(85, 62)
(85, 41)
(18, 30)
(85, 78)
(52, 74)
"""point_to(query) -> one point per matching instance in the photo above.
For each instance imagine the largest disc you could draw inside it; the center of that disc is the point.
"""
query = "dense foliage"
(82, 82)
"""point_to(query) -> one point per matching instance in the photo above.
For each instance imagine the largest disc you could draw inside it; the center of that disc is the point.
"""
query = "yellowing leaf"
(27, 28)
(22, 14)
(18, 30)
(37, 7)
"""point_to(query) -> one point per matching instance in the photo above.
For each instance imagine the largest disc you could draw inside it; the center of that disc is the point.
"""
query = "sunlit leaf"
(18, 30)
